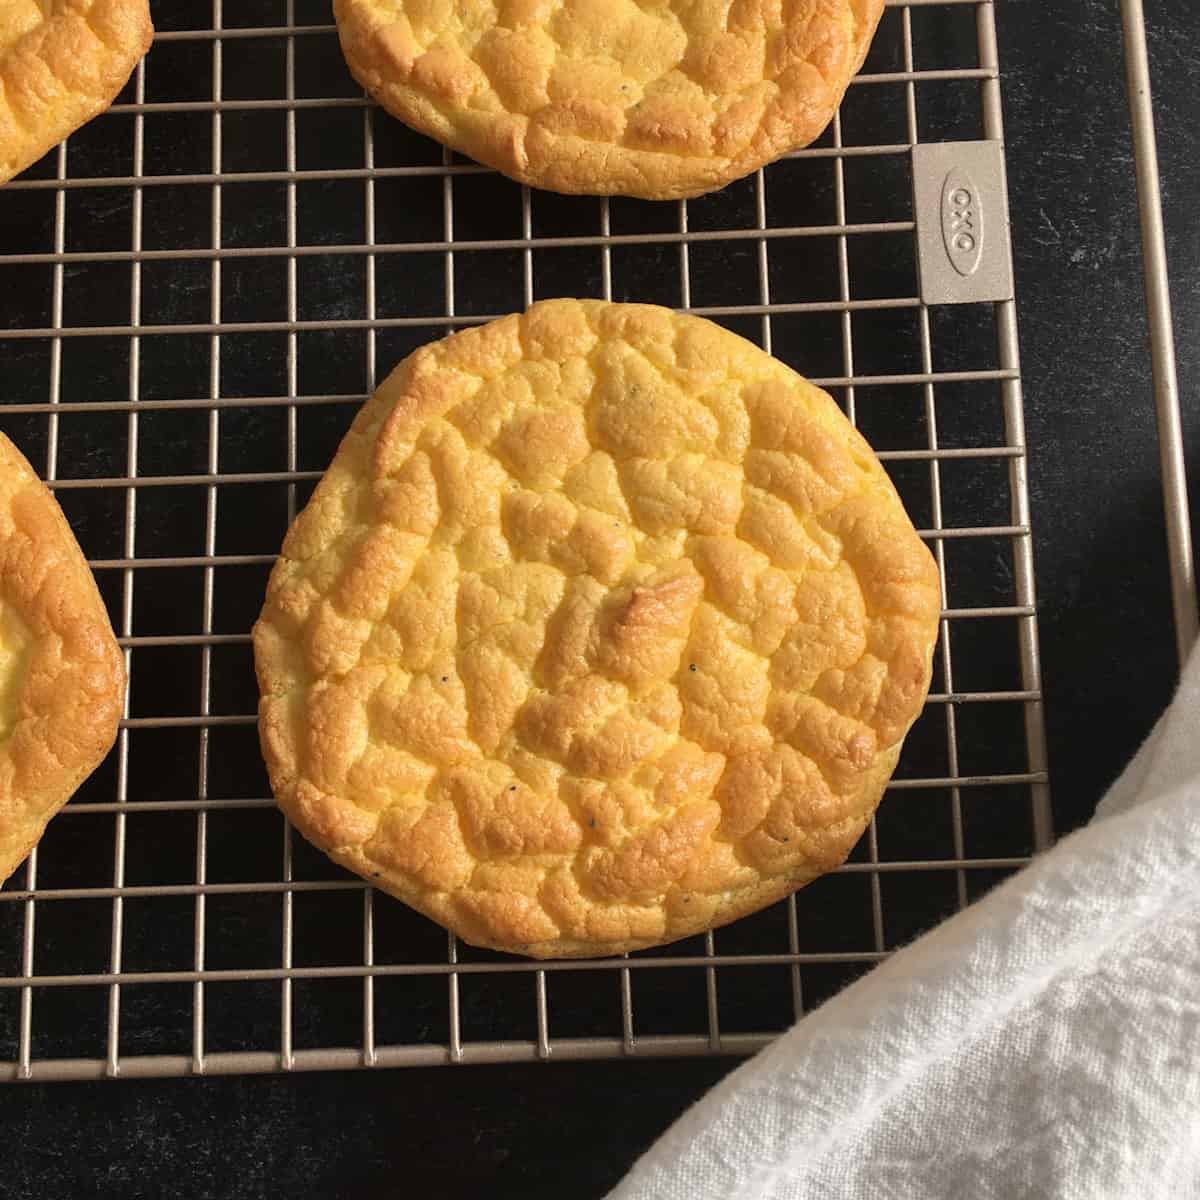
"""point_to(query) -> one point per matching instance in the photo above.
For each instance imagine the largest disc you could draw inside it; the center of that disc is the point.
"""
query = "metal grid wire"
(200, 288)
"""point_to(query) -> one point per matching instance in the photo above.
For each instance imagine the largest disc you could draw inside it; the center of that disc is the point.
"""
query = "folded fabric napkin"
(1044, 1042)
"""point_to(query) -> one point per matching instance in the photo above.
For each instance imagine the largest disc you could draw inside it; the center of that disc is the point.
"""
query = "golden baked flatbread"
(603, 628)
(649, 98)
(61, 63)
(62, 676)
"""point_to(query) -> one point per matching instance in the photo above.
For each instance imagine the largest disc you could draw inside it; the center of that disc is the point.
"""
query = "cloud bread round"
(649, 98)
(61, 63)
(602, 628)
(62, 677)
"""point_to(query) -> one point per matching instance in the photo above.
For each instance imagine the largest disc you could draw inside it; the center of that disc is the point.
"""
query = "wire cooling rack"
(200, 288)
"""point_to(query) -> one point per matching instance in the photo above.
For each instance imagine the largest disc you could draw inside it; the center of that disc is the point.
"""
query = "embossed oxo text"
(962, 222)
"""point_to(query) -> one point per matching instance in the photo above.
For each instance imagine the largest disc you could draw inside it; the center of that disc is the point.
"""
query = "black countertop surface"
(1107, 653)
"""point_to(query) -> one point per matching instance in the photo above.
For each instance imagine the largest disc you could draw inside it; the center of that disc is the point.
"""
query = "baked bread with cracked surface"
(62, 62)
(602, 629)
(62, 675)
(659, 99)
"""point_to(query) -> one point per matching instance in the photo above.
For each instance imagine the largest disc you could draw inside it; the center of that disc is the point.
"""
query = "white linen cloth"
(1045, 1042)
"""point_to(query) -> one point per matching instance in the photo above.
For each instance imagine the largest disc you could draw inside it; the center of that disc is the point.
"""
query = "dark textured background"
(1107, 651)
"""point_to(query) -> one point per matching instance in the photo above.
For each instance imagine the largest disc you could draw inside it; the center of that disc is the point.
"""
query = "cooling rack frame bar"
(1184, 604)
